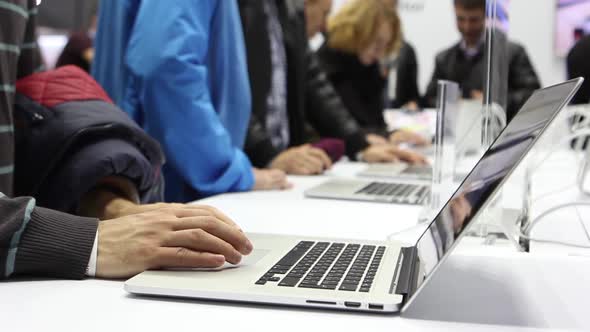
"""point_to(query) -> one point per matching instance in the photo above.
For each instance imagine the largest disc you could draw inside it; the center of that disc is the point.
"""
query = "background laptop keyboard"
(422, 170)
(327, 265)
(398, 192)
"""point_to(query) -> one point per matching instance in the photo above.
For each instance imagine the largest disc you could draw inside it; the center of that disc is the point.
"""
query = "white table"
(480, 285)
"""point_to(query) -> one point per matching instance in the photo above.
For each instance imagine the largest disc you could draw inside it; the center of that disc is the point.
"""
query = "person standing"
(464, 62)
(184, 80)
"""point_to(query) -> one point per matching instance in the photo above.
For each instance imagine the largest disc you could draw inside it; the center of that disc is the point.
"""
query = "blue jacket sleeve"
(167, 57)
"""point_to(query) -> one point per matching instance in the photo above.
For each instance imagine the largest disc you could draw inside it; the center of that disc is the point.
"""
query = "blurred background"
(60, 19)
(546, 28)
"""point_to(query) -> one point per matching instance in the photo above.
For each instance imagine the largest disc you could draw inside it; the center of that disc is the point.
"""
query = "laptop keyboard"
(326, 265)
(399, 192)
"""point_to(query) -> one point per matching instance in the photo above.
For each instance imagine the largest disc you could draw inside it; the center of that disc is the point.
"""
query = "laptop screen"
(479, 186)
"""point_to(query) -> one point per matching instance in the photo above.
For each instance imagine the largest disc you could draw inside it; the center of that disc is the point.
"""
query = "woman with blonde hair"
(359, 36)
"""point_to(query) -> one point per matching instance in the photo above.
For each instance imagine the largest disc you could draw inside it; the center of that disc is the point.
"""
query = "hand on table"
(302, 160)
(410, 137)
(270, 179)
(390, 153)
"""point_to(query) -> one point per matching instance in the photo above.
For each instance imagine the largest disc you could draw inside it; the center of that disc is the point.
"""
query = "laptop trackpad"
(250, 260)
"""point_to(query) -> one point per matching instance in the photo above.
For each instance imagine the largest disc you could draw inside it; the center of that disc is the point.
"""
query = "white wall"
(430, 26)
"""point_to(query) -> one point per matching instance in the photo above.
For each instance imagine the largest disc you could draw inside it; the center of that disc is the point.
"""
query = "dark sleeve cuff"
(262, 154)
(356, 143)
(55, 244)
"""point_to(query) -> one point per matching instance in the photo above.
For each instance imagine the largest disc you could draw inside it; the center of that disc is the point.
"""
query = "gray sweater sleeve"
(39, 242)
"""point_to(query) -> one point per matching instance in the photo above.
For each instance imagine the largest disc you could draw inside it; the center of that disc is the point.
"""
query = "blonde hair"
(353, 27)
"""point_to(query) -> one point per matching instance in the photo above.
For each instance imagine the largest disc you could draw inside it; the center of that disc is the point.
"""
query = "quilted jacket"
(69, 135)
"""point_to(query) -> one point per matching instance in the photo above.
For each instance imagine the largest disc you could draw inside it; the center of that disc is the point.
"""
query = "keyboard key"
(289, 282)
(322, 265)
(366, 188)
(347, 287)
(294, 255)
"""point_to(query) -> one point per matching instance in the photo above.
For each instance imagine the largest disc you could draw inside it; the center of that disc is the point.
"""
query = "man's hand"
(190, 236)
(302, 160)
(374, 139)
(270, 179)
(389, 153)
(120, 207)
(406, 136)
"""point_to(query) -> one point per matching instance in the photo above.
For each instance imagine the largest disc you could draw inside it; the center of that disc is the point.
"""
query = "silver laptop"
(468, 128)
(364, 275)
(384, 191)
(400, 170)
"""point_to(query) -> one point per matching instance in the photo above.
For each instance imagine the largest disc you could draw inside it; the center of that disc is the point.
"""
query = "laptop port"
(320, 302)
(375, 306)
(352, 304)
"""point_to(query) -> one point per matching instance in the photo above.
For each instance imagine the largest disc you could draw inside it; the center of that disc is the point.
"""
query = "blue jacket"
(178, 68)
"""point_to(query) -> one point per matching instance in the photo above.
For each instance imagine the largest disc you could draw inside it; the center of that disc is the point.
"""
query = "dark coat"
(69, 136)
(454, 66)
(310, 97)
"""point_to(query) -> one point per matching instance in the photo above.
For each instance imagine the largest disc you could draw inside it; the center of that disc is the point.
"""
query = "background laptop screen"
(500, 159)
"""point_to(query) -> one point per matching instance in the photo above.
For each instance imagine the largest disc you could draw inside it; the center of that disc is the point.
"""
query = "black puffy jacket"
(69, 136)
(311, 99)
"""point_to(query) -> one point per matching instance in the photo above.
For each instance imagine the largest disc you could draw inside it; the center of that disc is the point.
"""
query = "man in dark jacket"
(290, 91)
(42, 242)
(578, 65)
(464, 62)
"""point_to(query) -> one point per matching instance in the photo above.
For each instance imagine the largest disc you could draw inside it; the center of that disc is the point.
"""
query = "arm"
(20, 58)
(259, 146)
(33, 241)
(326, 110)
(37, 241)
(169, 58)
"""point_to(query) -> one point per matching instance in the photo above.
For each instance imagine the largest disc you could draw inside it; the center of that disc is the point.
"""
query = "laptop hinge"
(407, 272)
